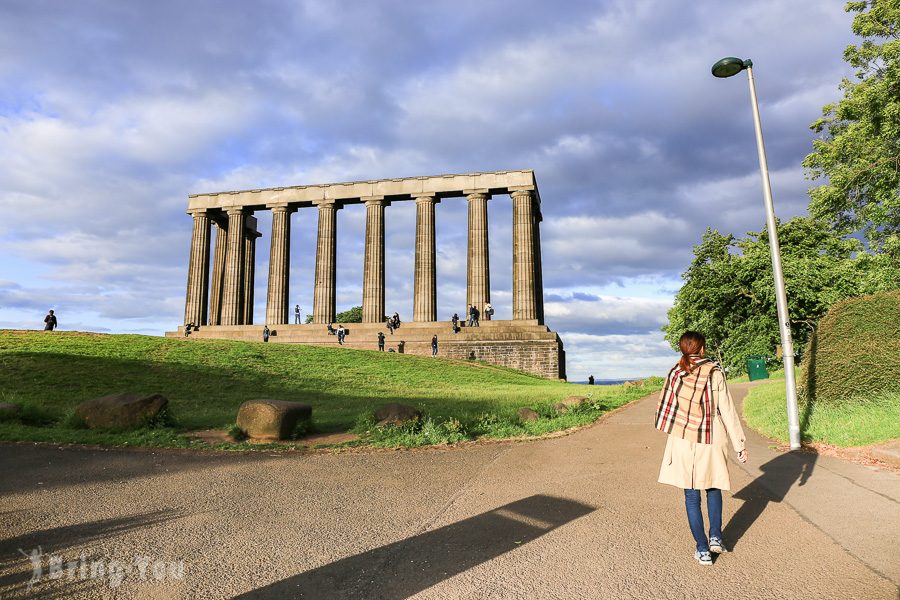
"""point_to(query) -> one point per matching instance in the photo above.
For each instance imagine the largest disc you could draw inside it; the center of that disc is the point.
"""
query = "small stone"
(120, 411)
(272, 419)
(394, 413)
(561, 407)
(527, 414)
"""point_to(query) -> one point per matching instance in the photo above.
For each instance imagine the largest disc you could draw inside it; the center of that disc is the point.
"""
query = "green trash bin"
(756, 368)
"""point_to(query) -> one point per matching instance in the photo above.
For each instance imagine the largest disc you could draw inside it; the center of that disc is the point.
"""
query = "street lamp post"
(726, 68)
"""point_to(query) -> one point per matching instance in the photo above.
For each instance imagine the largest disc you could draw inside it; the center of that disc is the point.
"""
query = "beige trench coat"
(691, 465)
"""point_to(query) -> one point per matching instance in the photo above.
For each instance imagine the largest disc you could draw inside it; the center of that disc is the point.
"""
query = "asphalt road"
(579, 516)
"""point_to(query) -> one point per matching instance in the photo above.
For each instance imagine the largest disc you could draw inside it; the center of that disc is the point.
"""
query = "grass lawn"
(206, 380)
(849, 423)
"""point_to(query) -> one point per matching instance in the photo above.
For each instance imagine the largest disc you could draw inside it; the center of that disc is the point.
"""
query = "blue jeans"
(695, 515)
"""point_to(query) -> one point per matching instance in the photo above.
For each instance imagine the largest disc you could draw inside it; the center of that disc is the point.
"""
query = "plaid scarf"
(686, 405)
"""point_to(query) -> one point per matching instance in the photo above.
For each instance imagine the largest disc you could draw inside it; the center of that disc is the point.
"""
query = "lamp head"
(730, 66)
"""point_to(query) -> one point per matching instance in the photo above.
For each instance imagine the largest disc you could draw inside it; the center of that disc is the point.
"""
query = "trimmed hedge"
(855, 351)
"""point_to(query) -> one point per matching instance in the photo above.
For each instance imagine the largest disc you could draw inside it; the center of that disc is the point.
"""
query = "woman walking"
(697, 412)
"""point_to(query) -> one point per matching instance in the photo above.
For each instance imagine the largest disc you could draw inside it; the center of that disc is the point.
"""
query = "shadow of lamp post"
(728, 67)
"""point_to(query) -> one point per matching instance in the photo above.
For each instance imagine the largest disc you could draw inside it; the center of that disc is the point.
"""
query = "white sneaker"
(704, 558)
(716, 545)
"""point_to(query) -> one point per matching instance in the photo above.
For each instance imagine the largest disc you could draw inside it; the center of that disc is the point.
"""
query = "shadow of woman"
(778, 476)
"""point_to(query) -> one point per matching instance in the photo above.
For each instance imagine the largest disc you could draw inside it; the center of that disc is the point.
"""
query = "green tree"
(859, 150)
(354, 315)
(729, 292)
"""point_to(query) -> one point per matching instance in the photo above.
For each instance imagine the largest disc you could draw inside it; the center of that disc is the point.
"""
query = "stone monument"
(219, 298)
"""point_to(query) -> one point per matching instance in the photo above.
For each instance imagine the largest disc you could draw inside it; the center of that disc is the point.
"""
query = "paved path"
(575, 517)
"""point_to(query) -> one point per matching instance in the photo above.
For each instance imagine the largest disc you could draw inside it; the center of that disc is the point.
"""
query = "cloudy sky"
(111, 113)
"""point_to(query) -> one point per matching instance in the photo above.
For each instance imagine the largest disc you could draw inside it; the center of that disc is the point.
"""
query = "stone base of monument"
(272, 419)
(524, 345)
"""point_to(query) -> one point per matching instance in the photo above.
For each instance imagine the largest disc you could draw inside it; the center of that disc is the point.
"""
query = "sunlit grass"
(853, 422)
(207, 380)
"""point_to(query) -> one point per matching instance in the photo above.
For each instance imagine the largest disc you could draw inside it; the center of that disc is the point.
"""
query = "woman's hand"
(742, 455)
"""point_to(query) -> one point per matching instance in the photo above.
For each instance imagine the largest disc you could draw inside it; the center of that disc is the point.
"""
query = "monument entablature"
(357, 192)
(219, 297)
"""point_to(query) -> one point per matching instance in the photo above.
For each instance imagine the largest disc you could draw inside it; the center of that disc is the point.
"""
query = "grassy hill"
(205, 382)
(854, 352)
(848, 382)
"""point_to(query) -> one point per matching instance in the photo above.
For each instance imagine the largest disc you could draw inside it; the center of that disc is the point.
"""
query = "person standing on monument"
(50, 321)
(297, 314)
(381, 341)
(488, 311)
(265, 333)
(390, 325)
(471, 320)
(476, 314)
(455, 322)
(434, 345)
(697, 412)
(341, 332)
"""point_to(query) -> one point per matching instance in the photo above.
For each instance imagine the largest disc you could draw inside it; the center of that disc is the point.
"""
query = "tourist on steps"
(695, 455)
(381, 341)
(434, 345)
(265, 333)
(297, 314)
(341, 332)
(455, 322)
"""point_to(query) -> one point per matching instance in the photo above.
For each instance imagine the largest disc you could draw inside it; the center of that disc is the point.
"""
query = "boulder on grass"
(527, 414)
(396, 414)
(121, 411)
(272, 419)
(8, 410)
(575, 401)
(561, 407)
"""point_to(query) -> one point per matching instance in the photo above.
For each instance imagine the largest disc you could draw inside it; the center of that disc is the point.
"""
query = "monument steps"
(524, 345)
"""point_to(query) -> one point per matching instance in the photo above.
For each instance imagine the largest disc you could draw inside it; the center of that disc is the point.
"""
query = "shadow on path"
(404, 568)
(778, 476)
(58, 540)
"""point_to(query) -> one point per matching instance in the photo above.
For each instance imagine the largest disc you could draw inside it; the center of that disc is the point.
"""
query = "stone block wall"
(544, 358)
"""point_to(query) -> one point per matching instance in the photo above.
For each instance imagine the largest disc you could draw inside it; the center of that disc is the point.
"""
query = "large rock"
(527, 414)
(272, 419)
(8, 410)
(396, 414)
(121, 411)
(575, 401)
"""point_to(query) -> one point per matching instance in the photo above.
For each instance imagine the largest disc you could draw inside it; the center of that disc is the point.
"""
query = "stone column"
(538, 267)
(278, 294)
(373, 265)
(250, 235)
(524, 305)
(232, 287)
(218, 273)
(425, 276)
(198, 271)
(324, 292)
(478, 276)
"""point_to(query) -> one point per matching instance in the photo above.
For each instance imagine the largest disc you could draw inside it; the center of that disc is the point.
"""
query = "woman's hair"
(690, 342)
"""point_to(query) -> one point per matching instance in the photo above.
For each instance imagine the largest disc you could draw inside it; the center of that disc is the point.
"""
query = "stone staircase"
(524, 345)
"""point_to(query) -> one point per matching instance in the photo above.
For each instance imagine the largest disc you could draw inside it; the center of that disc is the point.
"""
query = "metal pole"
(784, 321)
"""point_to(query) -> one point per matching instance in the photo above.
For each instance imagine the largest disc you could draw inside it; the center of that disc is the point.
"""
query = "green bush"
(854, 352)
